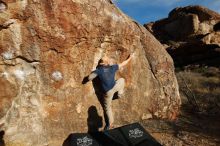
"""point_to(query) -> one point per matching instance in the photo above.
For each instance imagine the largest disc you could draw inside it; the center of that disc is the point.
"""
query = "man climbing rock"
(106, 73)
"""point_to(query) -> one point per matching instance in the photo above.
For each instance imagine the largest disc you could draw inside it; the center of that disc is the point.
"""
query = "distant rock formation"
(190, 33)
(47, 47)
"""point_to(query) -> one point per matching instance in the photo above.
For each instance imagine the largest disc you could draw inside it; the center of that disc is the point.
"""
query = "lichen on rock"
(3, 6)
(57, 76)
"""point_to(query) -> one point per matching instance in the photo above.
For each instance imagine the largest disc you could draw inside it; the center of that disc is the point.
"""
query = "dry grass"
(200, 89)
(199, 121)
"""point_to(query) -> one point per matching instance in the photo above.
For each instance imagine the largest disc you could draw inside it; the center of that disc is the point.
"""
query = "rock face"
(48, 47)
(192, 33)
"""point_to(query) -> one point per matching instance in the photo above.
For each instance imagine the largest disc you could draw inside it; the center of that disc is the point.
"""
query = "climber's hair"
(106, 60)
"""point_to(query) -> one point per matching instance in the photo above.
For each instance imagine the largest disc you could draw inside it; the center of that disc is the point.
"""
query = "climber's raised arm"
(126, 61)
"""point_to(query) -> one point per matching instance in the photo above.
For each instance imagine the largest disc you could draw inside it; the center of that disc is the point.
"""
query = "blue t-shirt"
(106, 75)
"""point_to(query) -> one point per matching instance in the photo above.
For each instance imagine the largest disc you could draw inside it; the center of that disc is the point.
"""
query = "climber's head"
(106, 60)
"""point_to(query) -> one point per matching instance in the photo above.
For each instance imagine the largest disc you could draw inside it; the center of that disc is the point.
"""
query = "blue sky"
(144, 11)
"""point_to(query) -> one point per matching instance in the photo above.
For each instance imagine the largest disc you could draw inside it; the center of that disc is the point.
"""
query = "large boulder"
(48, 47)
(190, 33)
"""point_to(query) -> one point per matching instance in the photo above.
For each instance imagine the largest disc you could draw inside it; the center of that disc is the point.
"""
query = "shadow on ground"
(94, 121)
(2, 143)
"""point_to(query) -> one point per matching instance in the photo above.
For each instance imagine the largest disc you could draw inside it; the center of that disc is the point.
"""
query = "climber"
(106, 73)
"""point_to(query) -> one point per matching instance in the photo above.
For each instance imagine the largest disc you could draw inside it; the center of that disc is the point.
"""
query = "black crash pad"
(129, 135)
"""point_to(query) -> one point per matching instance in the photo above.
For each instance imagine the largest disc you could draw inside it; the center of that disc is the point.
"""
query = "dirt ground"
(199, 121)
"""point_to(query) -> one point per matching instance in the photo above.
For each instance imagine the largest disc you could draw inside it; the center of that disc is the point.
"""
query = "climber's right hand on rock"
(85, 80)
